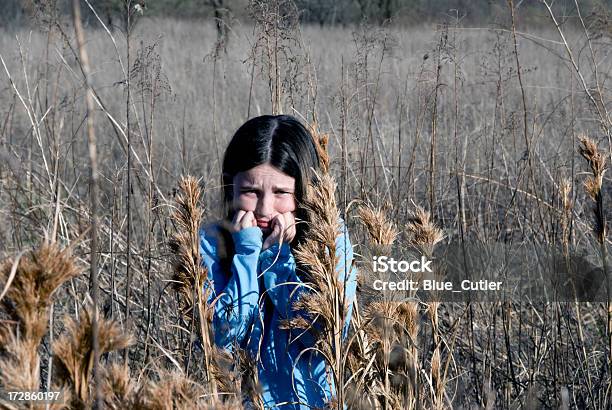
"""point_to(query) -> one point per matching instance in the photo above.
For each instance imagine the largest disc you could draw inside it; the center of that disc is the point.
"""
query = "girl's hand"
(283, 228)
(243, 219)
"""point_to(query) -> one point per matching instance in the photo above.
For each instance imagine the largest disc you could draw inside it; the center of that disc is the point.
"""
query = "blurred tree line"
(322, 12)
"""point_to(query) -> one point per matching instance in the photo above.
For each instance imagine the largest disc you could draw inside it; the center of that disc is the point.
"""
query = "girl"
(266, 169)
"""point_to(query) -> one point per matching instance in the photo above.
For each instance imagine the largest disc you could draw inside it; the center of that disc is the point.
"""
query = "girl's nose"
(264, 206)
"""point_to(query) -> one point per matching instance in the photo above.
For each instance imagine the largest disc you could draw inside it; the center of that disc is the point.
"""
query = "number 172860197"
(32, 396)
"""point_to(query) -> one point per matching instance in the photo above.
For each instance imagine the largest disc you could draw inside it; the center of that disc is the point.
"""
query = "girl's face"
(266, 192)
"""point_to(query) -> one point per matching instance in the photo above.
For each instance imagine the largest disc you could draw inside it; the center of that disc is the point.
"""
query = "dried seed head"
(595, 158)
(318, 252)
(73, 351)
(591, 153)
(222, 372)
(321, 141)
(189, 273)
(381, 317)
(408, 314)
(117, 389)
(592, 186)
(425, 233)
(435, 367)
(37, 277)
(565, 189)
(19, 366)
(173, 391)
(188, 213)
(382, 231)
(34, 278)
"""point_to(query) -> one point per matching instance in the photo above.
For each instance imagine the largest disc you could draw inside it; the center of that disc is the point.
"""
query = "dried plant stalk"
(565, 190)
(326, 302)
(597, 163)
(189, 274)
(26, 304)
(74, 353)
(176, 391)
(382, 231)
(118, 389)
(189, 271)
(425, 235)
(321, 144)
(392, 326)
(189, 277)
(378, 333)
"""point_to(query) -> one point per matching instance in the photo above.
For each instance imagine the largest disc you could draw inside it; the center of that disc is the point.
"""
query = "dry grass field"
(437, 135)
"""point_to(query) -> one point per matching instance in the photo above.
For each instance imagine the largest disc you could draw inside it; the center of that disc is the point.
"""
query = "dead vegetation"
(487, 127)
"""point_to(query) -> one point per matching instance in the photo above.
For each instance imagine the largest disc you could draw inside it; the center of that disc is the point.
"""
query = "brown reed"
(382, 231)
(593, 184)
(74, 354)
(326, 302)
(424, 233)
(233, 378)
(424, 236)
(189, 273)
(321, 143)
(390, 330)
(392, 326)
(30, 283)
(565, 191)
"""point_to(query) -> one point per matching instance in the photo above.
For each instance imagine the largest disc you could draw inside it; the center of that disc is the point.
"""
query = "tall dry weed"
(387, 362)
(593, 186)
(326, 302)
(74, 356)
(29, 282)
(222, 372)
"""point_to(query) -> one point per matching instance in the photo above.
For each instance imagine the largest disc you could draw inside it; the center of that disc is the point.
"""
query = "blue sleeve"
(347, 272)
(235, 294)
(284, 286)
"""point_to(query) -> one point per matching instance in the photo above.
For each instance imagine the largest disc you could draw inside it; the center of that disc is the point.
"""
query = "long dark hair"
(281, 141)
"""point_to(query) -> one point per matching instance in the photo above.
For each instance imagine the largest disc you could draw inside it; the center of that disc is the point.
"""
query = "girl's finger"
(248, 219)
(274, 235)
(281, 221)
(274, 223)
(278, 232)
(238, 216)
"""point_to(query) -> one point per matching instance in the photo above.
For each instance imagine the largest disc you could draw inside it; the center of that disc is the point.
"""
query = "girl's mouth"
(263, 224)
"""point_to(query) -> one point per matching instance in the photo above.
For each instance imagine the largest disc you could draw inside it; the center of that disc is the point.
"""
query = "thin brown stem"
(93, 160)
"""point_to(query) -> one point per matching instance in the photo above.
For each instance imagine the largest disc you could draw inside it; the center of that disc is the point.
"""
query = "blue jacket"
(249, 309)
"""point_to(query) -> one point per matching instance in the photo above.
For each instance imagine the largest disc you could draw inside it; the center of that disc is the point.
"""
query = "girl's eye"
(283, 193)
